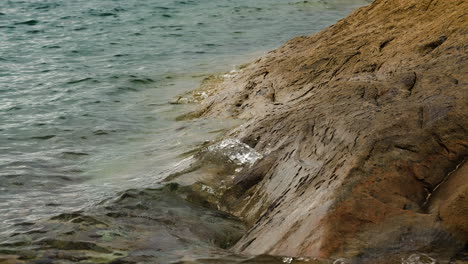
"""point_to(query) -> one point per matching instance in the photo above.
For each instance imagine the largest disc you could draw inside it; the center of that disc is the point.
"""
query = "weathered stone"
(359, 124)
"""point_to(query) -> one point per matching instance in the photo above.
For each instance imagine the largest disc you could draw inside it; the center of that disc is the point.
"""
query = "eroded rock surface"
(361, 127)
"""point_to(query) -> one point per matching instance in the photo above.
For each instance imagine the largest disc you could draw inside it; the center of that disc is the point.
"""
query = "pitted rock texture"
(362, 127)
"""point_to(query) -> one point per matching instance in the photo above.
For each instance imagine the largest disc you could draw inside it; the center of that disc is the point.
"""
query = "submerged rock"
(363, 133)
(138, 226)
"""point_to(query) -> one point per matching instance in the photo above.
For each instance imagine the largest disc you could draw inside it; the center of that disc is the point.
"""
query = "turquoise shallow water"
(84, 87)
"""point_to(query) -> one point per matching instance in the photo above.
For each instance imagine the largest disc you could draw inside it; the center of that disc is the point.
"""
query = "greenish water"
(85, 86)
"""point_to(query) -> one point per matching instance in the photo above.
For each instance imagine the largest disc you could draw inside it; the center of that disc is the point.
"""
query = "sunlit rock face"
(363, 133)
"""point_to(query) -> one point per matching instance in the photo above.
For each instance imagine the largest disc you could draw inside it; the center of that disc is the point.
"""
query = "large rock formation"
(364, 132)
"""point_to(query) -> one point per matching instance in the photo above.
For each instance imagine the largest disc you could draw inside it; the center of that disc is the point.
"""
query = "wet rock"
(206, 89)
(138, 226)
(360, 128)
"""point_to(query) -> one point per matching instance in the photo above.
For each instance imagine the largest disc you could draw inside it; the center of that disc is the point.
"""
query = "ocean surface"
(85, 87)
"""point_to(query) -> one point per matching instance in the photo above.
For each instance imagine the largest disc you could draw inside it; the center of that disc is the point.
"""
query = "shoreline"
(373, 82)
(329, 164)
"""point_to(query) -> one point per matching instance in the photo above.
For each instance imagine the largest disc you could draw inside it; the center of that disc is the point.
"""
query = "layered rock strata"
(363, 128)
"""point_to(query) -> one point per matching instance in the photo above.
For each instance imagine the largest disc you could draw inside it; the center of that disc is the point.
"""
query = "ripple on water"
(31, 22)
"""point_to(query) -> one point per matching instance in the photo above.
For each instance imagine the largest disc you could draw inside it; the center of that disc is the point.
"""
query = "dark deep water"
(86, 130)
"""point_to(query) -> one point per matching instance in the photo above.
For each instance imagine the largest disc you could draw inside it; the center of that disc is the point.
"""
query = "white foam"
(236, 151)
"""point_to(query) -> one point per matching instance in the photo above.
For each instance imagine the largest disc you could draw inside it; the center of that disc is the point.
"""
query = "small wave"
(106, 14)
(162, 7)
(24, 224)
(130, 89)
(169, 27)
(173, 35)
(142, 81)
(185, 2)
(59, 177)
(100, 13)
(211, 45)
(51, 47)
(35, 31)
(192, 52)
(80, 29)
(121, 55)
(119, 9)
(14, 108)
(44, 137)
(100, 132)
(31, 22)
(78, 81)
(75, 153)
(46, 6)
(21, 182)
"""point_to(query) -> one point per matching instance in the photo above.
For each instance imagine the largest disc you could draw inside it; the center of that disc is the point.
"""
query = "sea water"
(85, 86)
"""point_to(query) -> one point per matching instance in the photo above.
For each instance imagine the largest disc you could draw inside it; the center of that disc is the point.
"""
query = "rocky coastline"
(363, 132)
(352, 149)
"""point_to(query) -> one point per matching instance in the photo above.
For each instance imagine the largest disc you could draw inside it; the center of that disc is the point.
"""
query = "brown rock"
(360, 124)
(450, 203)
